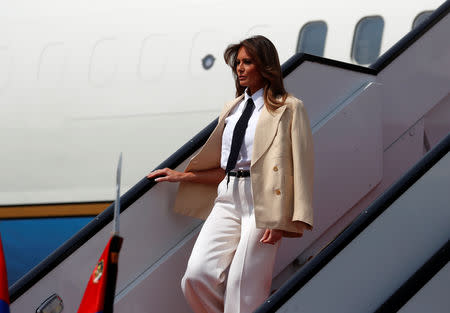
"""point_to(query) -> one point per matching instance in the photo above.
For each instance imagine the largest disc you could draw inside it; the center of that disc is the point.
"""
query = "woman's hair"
(265, 57)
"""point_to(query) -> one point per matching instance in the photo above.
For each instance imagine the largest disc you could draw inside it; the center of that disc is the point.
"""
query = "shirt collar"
(257, 97)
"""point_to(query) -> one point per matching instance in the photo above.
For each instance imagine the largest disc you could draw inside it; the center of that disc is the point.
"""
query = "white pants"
(229, 240)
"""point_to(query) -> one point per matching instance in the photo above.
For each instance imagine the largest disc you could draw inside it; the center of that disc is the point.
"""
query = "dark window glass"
(311, 38)
(367, 39)
(421, 17)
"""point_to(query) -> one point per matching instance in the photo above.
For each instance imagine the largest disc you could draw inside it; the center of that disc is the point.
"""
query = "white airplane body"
(82, 81)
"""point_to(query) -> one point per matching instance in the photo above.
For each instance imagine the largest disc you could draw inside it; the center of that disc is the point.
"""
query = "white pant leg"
(204, 282)
(229, 236)
(250, 274)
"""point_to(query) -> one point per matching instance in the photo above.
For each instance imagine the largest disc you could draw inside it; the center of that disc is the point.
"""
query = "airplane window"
(311, 38)
(206, 44)
(103, 63)
(367, 39)
(50, 71)
(153, 57)
(421, 17)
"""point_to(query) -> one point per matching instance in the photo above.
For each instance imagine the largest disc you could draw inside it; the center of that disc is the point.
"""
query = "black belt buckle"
(237, 174)
(241, 173)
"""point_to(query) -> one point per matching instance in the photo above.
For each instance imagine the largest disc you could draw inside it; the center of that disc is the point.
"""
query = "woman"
(251, 181)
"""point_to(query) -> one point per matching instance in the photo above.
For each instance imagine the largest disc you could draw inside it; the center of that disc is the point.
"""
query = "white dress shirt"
(245, 154)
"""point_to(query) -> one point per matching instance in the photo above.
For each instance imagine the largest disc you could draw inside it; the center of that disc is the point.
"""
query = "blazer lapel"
(266, 129)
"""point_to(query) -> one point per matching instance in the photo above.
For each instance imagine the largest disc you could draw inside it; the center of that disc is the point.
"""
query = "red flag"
(4, 293)
(99, 294)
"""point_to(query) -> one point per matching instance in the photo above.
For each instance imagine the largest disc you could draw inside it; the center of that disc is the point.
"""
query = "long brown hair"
(265, 56)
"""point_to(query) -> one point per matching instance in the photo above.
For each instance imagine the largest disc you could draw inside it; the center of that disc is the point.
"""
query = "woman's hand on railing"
(166, 174)
(212, 176)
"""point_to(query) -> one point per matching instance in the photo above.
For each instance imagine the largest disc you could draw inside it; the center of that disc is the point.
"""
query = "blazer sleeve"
(303, 166)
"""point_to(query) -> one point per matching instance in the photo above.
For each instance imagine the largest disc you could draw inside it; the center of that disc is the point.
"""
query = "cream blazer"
(281, 171)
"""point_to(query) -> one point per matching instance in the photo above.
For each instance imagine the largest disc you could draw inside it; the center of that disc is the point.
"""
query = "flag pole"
(115, 245)
(117, 202)
(101, 288)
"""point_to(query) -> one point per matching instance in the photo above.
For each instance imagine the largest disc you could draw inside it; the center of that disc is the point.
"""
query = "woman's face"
(247, 72)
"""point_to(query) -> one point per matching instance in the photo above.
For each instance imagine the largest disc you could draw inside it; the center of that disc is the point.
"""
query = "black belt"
(237, 174)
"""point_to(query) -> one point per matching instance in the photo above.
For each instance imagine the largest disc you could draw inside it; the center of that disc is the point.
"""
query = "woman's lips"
(242, 77)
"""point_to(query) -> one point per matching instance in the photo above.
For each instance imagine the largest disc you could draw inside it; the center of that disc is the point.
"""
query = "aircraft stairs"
(370, 126)
(393, 257)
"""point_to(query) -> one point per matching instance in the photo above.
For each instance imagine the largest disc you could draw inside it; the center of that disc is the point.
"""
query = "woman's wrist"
(187, 176)
(212, 176)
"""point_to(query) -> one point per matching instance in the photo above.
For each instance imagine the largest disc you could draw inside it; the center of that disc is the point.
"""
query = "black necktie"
(238, 135)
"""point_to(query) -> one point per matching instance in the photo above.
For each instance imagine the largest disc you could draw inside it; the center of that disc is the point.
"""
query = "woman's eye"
(247, 62)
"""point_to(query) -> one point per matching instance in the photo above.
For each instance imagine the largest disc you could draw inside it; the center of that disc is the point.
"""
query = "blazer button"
(278, 192)
(275, 168)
